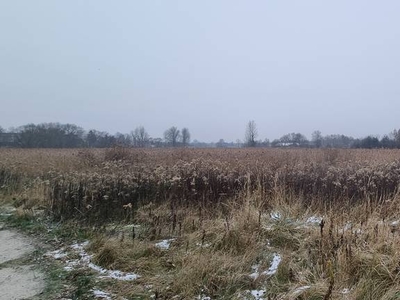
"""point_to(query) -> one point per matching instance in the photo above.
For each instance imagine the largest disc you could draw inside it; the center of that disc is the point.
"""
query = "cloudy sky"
(211, 66)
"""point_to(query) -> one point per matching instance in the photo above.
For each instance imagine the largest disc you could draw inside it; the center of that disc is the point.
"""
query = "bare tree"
(238, 143)
(172, 136)
(100, 139)
(122, 139)
(73, 135)
(317, 138)
(185, 137)
(396, 137)
(251, 134)
(140, 137)
(220, 143)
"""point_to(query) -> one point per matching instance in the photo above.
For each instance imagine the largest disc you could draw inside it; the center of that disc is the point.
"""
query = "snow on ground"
(205, 245)
(348, 226)
(345, 291)
(164, 244)
(57, 254)
(351, 227)
(101, 294)
(276, 215)
(314, 220)
(276, 260)
(203, 298)
(257, 294)
(85, 261)
(255, 273)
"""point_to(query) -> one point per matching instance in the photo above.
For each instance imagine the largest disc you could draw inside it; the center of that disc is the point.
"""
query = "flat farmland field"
(222, 223)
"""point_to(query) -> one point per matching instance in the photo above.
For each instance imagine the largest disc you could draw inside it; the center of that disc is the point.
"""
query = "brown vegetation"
(331, 215)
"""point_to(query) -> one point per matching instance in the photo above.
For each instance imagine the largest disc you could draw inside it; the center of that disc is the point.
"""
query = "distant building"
(8, 139)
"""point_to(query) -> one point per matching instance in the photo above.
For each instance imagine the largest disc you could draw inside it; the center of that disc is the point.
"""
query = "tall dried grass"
(227, 210)
(97, 184)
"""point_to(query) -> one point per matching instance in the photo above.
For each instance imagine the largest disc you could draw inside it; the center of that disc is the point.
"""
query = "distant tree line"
(56, 135)
(294, 140)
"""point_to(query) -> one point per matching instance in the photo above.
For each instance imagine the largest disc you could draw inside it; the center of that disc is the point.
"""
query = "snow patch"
(258, 294)
(276, 260)
(205, 245)
(314, 220)
(348, 226)
(345, 291)
(276, 215)
(164, 244)
(119, 275)
(101, 294)
(85, 261)
(80, 246)
(351, 227)
(57, 254)
(6, 214)
(255, 273)
(203, 297)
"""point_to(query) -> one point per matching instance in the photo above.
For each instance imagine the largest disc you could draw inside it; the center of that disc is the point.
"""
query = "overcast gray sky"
(211, 66)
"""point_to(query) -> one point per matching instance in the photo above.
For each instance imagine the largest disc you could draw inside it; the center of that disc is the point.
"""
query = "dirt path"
(17, 279)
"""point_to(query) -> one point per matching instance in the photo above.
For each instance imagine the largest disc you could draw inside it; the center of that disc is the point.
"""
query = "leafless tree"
(185, 137)
(140, 137)
(122, 139)
(395, 136)
(251, 134)
(238, 143)
(172, 136)
(317, 138)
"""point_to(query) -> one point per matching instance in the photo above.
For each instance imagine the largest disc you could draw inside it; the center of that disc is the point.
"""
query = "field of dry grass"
(224, 224)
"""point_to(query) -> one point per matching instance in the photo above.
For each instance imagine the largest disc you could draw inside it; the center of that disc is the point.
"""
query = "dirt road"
(18, 280)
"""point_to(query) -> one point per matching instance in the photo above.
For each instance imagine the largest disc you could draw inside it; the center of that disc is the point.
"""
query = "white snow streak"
(85, 260)
(164, 244)
(101, 294)
(57, 254)
(314, 220)
(276, 260)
